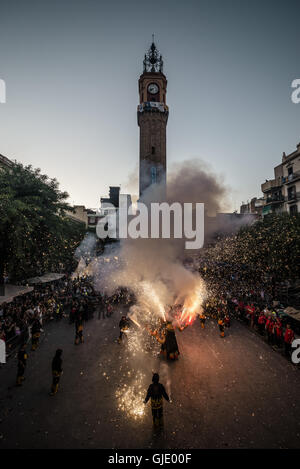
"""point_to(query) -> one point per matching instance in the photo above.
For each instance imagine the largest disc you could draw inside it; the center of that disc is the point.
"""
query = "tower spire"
(153, 61)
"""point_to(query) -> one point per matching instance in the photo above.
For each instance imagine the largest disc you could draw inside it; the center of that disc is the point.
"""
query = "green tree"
(35, 234)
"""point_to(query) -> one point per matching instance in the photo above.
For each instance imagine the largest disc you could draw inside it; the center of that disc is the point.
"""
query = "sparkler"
(133, 319)
(153, 298)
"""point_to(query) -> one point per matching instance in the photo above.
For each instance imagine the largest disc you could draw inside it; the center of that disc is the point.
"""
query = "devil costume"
(56, 371)
(156, 392)
(170, 346)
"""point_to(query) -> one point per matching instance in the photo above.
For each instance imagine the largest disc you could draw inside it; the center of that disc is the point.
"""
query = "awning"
(292, 312)
(11, 291)
(266, 209)
(50, 277)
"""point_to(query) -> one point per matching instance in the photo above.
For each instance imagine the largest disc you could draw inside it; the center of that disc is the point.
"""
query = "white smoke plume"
(85, 253)
(153, 268)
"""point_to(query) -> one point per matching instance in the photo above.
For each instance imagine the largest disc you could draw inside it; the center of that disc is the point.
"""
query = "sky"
(71, 69)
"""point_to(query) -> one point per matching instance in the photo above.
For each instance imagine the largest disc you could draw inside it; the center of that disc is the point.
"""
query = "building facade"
(282, 194)
(254, 207)
(79, 215)
(110, 208)
(5, 162)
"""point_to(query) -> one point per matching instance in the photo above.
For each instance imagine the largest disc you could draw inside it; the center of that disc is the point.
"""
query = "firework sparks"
(133, 319)
(192, 305)
(153, 298)
(130, 397)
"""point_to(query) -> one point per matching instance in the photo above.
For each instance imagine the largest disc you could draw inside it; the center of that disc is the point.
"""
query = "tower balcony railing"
(152, 106)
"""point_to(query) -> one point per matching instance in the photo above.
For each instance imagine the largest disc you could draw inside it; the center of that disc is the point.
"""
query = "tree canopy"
(35, 234)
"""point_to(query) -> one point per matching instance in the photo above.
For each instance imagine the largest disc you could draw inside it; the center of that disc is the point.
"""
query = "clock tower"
(152, 115)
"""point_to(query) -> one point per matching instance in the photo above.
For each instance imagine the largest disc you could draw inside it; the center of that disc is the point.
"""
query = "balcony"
(275, 199)
(292, 177)
(272, 184)
(153, 106)
(293, 197)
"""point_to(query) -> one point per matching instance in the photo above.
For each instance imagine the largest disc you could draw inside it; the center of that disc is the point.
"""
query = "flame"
(191, 307)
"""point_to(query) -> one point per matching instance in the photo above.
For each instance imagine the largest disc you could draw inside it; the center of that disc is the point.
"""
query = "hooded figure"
(56, 371)
(171, 342)
(35, 334)
(221, 325)
(156, 392)
(79, 330)
(22, 358)
(169, 346)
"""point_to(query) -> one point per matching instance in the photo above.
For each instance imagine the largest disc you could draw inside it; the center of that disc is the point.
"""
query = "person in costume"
(56, 371)
(288, 339)
(169, 346)
(227, 321)
(124, 326)
(261, 323)
(22, 359)
(35, 334)
(221, 325)
(278, 333)
(159, 333)
(202, 318)
(78, 330)
(156, 392)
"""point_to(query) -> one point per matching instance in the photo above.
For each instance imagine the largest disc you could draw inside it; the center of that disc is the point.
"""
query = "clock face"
(152, 88)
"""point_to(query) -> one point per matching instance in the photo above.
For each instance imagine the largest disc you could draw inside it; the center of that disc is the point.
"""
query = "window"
(290, 173)
(153, 150)
(293, 210)
(291, 193)
(277, 196)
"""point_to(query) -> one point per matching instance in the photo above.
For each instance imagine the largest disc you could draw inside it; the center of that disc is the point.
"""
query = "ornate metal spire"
(153, 61)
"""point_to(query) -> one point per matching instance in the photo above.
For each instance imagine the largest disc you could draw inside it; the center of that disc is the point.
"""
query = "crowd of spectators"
(46, 302)
(68, 298)
(251, 299)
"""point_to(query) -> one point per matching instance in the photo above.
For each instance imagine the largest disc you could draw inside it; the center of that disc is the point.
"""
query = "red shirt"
(250, 310)
(270, 325)
(261, 319)
(289, 336)
(278, 329)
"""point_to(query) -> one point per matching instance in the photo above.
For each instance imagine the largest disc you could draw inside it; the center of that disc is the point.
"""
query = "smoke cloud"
(193, 181)
(156, 272)
(154, 268)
